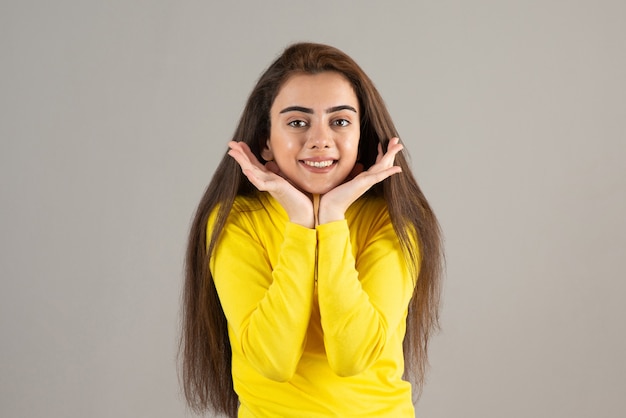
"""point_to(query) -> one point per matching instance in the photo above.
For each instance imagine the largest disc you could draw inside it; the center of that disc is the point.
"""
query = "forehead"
(329, 88)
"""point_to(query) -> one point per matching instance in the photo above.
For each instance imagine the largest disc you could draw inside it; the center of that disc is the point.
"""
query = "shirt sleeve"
(267, 306)
(362, 301)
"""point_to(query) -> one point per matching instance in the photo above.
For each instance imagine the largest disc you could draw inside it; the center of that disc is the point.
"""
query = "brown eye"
(297, 124)
(341, 122)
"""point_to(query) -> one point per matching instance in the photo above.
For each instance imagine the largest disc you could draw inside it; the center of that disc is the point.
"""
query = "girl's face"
(315, 131)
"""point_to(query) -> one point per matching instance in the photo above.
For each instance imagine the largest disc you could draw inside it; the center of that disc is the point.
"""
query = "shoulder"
(367, 218)
(257, 211)
(247, 204)
(241, 208)
(368, 210)
(241, 205)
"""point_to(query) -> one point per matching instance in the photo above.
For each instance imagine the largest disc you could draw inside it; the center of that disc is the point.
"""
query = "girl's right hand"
(267, 178)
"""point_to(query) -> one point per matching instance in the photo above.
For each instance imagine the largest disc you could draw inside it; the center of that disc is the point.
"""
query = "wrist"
(302, 216)
(302, 221)
(329, 214)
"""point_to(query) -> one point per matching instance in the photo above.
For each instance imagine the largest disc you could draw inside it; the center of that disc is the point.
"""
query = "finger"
(240, 157)
(243, 154)
(393, 148)
(371, 178)
(236, 148)
(248, 152)
(354, 188)
(262, 177)
(387, 160)
(256, 178)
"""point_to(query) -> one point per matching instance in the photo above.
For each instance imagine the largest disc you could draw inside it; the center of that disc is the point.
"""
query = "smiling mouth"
(319, 164)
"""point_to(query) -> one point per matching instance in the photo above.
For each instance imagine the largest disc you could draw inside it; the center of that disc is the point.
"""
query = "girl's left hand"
(333, 205)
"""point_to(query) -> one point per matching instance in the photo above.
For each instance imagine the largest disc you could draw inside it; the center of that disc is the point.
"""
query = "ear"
(266, 152)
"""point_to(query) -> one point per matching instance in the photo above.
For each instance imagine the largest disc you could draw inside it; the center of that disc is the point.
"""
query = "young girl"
(314, 260)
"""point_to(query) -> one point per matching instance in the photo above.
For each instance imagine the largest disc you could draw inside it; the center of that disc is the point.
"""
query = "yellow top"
(307, 348)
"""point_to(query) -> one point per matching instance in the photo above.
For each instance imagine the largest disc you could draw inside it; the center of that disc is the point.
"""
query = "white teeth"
(319, 164)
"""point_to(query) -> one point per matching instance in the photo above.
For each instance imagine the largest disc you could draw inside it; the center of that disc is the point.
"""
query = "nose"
(319, 137)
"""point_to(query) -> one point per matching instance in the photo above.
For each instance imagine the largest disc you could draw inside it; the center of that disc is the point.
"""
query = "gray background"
(113, 115)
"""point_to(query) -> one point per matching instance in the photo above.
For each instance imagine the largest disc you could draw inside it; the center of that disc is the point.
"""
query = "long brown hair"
(204, 346)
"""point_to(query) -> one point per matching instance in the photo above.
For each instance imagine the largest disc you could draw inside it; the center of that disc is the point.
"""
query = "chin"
(316, 190)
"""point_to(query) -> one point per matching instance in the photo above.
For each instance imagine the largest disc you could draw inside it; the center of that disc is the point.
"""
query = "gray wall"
(113, 115)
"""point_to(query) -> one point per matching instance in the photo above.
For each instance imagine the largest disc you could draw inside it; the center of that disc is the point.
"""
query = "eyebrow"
(309, 110)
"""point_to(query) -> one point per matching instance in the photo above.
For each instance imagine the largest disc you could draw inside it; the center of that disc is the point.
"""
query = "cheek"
(284, 140)
(285, 151)
(291, 145)
(352, 148)
(280, 144)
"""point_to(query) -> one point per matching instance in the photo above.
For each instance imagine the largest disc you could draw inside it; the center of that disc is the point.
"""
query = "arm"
(362, 301)
(267, 307)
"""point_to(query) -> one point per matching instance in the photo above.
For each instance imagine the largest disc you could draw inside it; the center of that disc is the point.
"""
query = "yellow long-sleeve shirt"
(302, 348)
